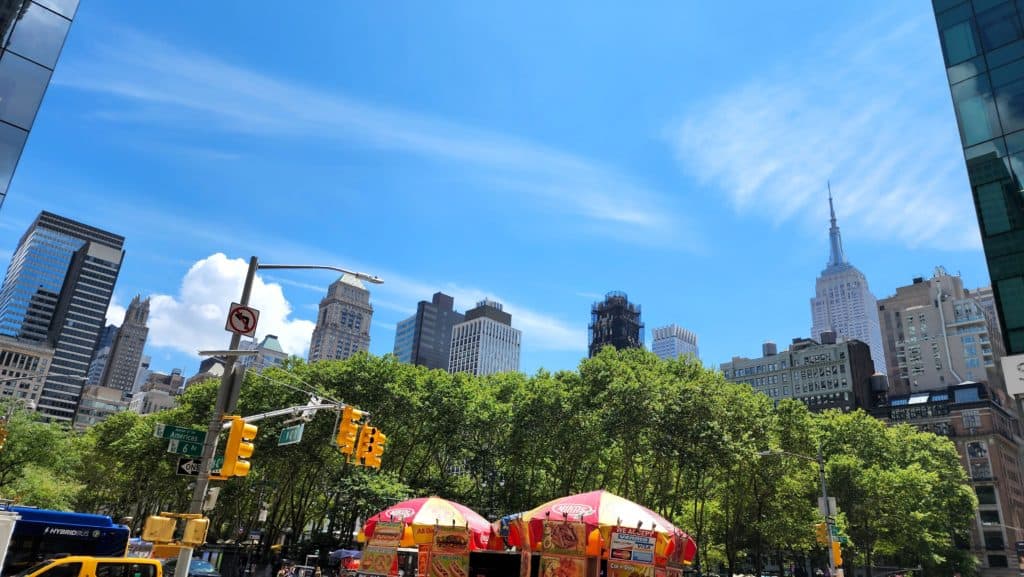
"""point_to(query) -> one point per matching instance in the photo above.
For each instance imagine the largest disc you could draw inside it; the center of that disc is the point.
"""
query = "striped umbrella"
(422, 514)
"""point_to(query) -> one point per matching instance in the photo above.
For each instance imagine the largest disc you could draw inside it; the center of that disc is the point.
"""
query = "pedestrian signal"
(195, 532)
(239, 448)
(348, 430)
(821, 533)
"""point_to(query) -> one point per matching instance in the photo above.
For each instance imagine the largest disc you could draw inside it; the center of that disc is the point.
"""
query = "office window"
(975, 110)
(986, 495)
(992, 203)
(998, 26)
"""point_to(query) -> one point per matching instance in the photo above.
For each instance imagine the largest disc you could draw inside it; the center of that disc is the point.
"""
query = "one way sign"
(188, 466)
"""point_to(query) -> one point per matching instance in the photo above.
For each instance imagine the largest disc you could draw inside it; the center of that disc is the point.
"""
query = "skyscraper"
(842, 302)
(98, 364)
(425, 338)
(57, 290)
(982, 46)
(673, 341)
(33, 34)
(343, 325)
(126, 351)
(485, 342)
(936, 334)
(616, 322)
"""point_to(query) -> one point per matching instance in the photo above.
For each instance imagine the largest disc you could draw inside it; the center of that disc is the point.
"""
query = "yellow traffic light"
(376, 450)
(239, 448)
(195, 531)
(159, 529)
(348, 430)
(821, 533)
(837, 553)
(366, 434)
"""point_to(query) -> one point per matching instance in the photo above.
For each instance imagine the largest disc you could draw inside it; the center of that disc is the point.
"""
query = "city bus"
(42, 534)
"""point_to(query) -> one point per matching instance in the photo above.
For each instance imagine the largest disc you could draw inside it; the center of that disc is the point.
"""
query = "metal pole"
(828, 513)
(224, 394)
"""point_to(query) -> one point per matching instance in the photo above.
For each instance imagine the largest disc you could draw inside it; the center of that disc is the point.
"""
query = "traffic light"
(376, 450)
(159, 529)
(195, 531)
(821, 533)
(837, 553)
(371, 447)
(348, 429)
(239, 448)
(363, 448)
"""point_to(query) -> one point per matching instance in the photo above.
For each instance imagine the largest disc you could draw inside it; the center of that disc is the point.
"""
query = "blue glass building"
(57, 290)
(983, 46)
(33, 35)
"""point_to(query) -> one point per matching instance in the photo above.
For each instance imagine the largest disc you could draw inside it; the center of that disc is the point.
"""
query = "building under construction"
(615, 321)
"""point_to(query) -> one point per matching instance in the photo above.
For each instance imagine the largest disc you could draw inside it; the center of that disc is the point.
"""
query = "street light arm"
(781, 452)
(360, 275)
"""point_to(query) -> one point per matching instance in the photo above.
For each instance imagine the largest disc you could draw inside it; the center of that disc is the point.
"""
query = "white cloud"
(115, 312)
(194, 319)
(161, 84)
(871, 112)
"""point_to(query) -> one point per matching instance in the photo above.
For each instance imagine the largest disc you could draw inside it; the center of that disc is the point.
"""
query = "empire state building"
(842, 302)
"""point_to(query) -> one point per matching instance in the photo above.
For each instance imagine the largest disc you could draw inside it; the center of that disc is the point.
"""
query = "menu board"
(381, 553)
(626, 569)
(423, 560)
(564, 538)
(562, 566)
(633, 545)
(449, 556)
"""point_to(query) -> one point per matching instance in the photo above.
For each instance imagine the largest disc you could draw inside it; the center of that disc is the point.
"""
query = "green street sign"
(185, 448)
(218, 462)
(291, 435)
(174, 433)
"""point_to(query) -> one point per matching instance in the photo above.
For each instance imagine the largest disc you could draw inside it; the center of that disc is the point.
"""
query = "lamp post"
(820, 460)
(227, 394)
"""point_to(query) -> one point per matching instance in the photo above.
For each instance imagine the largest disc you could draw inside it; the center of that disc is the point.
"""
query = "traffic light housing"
(159, 529)
(239, 448)
(195, 531)
(376, 450)
(837, 553)
(821, 533)
(363, 448)
(348, 430)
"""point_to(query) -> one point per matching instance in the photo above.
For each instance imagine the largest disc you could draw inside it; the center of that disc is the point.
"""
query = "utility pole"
(227, 395)
(829, 520)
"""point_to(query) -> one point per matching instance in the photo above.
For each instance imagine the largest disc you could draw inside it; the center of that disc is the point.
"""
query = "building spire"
(836, 255)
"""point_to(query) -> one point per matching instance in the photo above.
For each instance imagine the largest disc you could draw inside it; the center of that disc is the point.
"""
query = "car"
(197, 568)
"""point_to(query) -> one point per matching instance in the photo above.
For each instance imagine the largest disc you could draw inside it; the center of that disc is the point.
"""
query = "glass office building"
(33, 36)
(57, 290)
(983, 45)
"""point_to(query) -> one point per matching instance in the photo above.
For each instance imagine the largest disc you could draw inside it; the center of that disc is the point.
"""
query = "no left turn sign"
(242, 320)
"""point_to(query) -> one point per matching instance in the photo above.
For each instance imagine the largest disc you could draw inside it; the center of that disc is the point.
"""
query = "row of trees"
(671, 435)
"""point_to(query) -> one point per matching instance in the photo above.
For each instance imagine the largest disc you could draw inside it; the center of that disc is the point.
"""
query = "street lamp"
(824, 496)
(228, 393)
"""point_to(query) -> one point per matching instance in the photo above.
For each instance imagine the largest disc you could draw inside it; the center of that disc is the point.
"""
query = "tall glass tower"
(57, 291)
(33, 34)
(983, 46)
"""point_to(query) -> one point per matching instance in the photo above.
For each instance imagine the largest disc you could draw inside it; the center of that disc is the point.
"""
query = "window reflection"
(65, 8)
(998, 26)
(22, 84)
(12, 140)
(39, 36)
(959, 44)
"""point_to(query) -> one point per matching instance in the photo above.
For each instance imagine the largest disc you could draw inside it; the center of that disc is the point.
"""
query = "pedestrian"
(317, 572)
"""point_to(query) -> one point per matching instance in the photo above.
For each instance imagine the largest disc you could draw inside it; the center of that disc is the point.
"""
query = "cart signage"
(449, 555)
(633, 545)
(625, 569)
(564, 538)
(381, 553)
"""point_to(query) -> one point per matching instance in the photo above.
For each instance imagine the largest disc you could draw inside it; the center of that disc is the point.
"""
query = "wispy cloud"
(157, 83)
(884, 134)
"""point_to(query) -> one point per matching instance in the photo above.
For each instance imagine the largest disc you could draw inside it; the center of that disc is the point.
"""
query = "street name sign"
(185, 448)
(218, 462)
(291, 435)
(174, 433)
(188, 466)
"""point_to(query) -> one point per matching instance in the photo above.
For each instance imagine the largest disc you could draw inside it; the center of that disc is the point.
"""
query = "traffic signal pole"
(225, 398)
(829, 520)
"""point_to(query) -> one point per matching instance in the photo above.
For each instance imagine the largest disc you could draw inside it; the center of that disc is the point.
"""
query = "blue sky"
(538, 154)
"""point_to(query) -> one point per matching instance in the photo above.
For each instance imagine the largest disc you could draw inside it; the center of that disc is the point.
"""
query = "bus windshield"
(41, 534)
